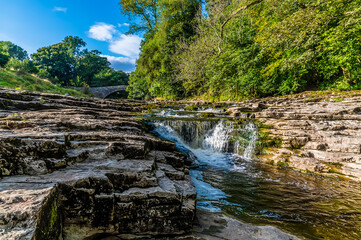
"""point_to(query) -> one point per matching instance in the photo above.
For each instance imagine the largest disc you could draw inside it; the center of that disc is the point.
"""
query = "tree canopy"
(235, 49)
(67, 63)
(12, 50)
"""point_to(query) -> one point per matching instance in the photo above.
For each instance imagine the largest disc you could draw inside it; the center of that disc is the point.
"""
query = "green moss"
(265, 141)
(49, 222)
(335, 165)
(150, 107)
(272, 162)
(282, 163)
(332, 171)
(192, 107)
(53, 215)
(206, 115)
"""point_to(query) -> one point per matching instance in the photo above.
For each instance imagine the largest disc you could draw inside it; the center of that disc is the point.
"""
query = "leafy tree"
(147, 13)
(12, 50)
(250, 48)
(60, 60)
(90, 64)
(4, 59)
(156, 65)
(109, 77)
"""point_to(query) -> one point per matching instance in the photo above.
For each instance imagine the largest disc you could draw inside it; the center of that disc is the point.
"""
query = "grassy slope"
(25, 81)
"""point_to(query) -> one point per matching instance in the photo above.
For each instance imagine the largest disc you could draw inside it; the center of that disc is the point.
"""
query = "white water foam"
(249, 151)
(218, 139)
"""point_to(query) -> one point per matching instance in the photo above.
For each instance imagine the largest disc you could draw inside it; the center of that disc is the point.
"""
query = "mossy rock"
(206, 115)
(192, 107)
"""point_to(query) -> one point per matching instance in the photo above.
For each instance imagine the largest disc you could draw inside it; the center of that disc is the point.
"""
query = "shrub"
(43, 74)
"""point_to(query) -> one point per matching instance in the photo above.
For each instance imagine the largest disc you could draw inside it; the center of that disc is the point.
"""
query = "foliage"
(90, 64)
(12, 50)
(4, 59)
(109, 77)
(68, 63)
(274, 47)
(25, 65)
(60, 59)
(145, 10)
(156, 67)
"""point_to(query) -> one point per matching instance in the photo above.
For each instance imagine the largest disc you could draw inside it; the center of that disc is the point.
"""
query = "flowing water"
(228, 180)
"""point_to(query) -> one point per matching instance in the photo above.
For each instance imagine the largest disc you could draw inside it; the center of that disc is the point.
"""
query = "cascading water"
(249, 151)
(228, 180)
(218, 138)
(191, 132)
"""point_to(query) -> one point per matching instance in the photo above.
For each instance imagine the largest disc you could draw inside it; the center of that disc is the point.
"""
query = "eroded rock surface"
(75, 168)
(318, 132)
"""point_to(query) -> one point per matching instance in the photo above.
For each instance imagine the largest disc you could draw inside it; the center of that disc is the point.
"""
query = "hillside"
(24, 81)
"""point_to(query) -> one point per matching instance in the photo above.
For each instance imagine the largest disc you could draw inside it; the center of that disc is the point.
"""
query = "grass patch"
(25, 81)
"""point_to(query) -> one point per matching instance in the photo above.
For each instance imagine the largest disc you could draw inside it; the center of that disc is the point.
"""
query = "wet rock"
(81, 168)
(214, 226)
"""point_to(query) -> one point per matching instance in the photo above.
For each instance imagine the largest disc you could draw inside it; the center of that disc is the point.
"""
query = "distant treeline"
(66, 63)
(232, 49)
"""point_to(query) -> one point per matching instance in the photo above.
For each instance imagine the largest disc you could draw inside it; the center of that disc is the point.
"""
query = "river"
(229, 180)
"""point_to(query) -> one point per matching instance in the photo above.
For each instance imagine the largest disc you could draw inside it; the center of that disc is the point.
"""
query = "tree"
(60, 60)
(155, 73)
(12, 50)
(109, 77)
(4, 59)
(147, 12)
(90, 64)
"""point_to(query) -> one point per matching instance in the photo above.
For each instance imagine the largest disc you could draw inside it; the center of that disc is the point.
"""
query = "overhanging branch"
(230, 17)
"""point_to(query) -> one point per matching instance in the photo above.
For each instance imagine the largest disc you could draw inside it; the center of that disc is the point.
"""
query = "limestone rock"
(77, 168)
(320, 134)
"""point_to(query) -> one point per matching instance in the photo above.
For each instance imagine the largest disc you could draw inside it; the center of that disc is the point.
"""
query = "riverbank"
(314, 132)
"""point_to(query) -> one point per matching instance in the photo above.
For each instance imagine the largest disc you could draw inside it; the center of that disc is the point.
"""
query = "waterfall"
(249, 151)
(218, 139)
(210, 142)
(192, 133)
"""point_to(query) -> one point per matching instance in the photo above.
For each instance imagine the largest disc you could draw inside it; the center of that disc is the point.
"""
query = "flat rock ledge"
(316, 132)
(78, 168)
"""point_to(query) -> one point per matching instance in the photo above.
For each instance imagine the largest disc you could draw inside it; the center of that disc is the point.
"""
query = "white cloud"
(123, 25)
(127, 45)
(60, 9)
(102, 31)
(113, 59)
(121, 63)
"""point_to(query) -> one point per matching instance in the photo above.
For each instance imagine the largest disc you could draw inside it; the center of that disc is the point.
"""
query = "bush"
(29, 66)
(25, 65)
(43, 74)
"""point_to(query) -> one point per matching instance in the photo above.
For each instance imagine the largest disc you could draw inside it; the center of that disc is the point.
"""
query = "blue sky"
(33, 24)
